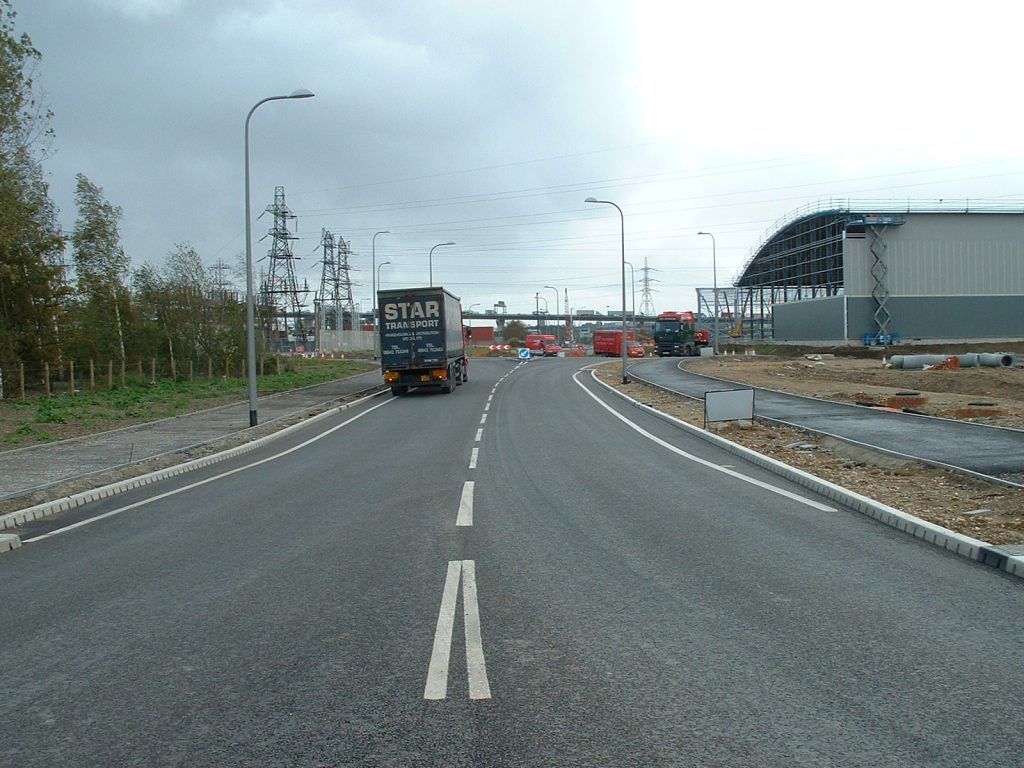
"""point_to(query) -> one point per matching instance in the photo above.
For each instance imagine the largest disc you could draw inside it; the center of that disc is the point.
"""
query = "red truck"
(542, 345)
(609, 343)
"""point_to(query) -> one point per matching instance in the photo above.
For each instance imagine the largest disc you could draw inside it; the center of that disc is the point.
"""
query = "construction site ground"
(987, 511)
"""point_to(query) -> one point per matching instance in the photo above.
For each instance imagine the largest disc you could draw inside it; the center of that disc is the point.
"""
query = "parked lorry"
(542, 345)
(422, 340)
(675, 334)
(609, 342)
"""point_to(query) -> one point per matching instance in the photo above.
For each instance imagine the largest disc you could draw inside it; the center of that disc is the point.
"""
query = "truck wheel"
(398, 391)
(449, 385)
(465, 371)
(688, 351)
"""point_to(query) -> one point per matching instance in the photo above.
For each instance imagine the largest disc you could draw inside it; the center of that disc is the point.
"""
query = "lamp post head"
(301, 93)
(591, 200)
(450, 242)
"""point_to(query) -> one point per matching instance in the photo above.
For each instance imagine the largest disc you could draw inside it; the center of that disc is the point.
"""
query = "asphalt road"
(508, 575)
(978, 448)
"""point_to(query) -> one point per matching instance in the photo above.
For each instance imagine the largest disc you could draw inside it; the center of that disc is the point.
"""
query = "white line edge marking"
(483, 418)
(698, 460)
(437, 672)
(465, 516)
(473, 457)
(198, 483)
(479, 435)
(476, 667)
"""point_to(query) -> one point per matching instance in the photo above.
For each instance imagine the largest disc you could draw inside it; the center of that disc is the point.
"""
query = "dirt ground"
(987, 395)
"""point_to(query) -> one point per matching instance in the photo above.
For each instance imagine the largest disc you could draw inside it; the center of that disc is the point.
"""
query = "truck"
(609, 342)
(422, 340)
(542, 345)
(675, 334)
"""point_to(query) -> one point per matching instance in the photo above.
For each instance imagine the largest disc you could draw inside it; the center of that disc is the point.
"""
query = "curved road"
(527, 572)
(976, 447)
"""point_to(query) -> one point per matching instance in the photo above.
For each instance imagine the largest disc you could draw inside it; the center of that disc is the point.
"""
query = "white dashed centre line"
(473, 457)
(465, 516)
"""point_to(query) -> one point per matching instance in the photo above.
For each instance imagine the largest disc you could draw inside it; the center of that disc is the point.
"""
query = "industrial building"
(848, 272)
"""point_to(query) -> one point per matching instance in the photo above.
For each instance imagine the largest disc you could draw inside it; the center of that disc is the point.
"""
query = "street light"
(250, 301)
(714, 284)
(373, 270)
(450, 242)
(632, 293)
(378, 271)
(622, 222)
(556, 303)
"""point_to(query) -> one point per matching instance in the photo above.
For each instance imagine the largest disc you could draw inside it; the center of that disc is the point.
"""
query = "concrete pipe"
(967, 360)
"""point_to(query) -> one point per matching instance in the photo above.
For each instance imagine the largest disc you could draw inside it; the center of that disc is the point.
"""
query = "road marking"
(476, 667)
(472, 458)
(697, 459)
(437, 672)
(490, 396)
(479, 434)
(487, 406)
(198, 483)
(465, 516)
(483, 418)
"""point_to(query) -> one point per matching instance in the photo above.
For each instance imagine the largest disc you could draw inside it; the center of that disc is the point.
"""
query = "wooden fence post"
(92, 376)
(124, 374)
(209, 366)
(190, 370)
(46, 378)
(21, 380)
(71, 377)
(152, 369)
(277, 364)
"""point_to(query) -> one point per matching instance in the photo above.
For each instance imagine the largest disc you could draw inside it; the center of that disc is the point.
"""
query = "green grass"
(141, 399)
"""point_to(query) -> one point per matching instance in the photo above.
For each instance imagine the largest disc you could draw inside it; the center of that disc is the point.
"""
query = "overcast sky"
(488, 124)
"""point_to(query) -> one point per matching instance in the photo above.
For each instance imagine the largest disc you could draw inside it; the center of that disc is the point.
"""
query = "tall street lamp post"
(378, 271)
(450, 242)
(622, 222)
(632, 294)
(556, 304)
(250, 300)
(373, 289)
(373, 270)
(714, 284)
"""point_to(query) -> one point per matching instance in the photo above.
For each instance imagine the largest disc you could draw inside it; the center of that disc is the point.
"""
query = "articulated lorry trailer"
(422, 342)
(609, 343)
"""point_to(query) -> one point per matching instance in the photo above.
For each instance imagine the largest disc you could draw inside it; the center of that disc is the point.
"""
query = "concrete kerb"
(958, 543)
(9, 541)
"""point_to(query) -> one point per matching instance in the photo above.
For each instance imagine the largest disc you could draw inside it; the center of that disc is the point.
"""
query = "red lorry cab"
(542, 345)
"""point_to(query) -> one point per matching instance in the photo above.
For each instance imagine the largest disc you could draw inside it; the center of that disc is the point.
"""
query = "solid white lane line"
(479, 435)
(479, 688)
(465, 516)
(697, 459)
(189, 487)
(437, 672)
(483, 418)
(473, 457)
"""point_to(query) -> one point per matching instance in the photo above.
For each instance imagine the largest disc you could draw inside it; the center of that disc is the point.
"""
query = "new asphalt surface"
(978, 448)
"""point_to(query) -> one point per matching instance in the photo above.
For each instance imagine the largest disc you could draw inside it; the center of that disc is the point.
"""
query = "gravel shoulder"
(987, 511)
